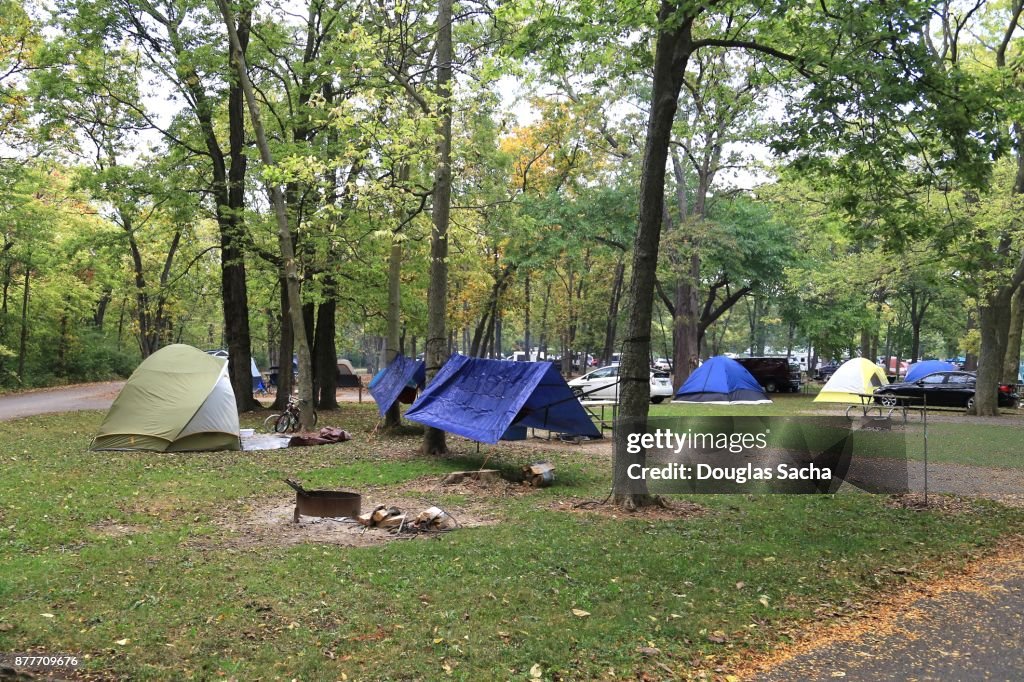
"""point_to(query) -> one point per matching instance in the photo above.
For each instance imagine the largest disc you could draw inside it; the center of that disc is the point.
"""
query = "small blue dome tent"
(721, 381)
(919, 370)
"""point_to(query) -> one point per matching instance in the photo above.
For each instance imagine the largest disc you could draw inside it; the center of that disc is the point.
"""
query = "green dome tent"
(178, 400)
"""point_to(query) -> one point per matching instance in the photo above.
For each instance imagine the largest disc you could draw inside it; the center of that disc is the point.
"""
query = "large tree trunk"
(284, 238)
(325, 350)
(611, 325)
(437, 298)
(994, 325)
(686, 332)
(1011, 365)
(234, 293)
(393, 416)
(673, 49)
(286, 350)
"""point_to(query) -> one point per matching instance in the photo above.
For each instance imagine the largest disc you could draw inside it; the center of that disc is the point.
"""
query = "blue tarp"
(401, 373)
(480, 399)
(721, 381)
(919, 370)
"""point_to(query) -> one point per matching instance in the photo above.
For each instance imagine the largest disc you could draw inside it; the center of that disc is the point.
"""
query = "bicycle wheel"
(284, 423)
(269, 424)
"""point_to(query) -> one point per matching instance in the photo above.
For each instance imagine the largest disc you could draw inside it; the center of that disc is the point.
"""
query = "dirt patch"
(118, 530)
(271, 523)
(431, 485)
(949, 504)
(675, 511)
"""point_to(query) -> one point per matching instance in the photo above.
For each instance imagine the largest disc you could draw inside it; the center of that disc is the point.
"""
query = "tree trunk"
(611, 326)
(393, 416)
(325, 350)
(23, 341)
(234, 291)
(496, 349)
(284, 238)
(542, 343)
(672, 52)
(99, 315)
(994, 325)
(286, 350)
(1011, 365)
(437, 297)
(526, 317)
(686, 327)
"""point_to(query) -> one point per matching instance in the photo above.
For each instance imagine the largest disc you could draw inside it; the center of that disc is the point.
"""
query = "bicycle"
(288, 420)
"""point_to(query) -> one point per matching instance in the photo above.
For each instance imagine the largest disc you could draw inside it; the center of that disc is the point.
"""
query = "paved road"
(974, 632)
(62, 399)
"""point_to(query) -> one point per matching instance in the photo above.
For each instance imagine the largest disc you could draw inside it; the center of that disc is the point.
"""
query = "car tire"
(888, 399)
(770, 387)
(577, 392)
(657, 399)
(970, 403)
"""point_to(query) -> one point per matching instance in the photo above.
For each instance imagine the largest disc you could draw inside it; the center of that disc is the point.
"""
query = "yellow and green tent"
(856, 376)
(179, 399)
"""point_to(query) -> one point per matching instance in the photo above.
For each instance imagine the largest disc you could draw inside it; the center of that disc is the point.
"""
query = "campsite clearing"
(138, 558)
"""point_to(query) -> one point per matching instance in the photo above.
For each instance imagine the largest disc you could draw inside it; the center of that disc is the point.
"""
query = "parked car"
(774, 374)
(663, 365)
(825, 372)
(942, 389)
(603, 384)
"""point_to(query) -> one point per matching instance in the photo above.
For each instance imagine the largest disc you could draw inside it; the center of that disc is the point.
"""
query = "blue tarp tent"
(919, 370)
(389, 383)
(721, 381)
(480, 399)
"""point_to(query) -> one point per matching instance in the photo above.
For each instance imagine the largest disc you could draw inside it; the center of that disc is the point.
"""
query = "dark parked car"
(774, 374)
(825, 372)
(941, 389)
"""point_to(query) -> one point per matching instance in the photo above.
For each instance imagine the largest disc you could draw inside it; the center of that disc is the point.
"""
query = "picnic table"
(869, 408)
(596, 410)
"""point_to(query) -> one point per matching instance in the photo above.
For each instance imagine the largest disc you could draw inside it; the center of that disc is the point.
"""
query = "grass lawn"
(178, 596)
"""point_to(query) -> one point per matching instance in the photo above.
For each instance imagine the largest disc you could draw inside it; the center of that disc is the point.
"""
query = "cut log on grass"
(539, 474)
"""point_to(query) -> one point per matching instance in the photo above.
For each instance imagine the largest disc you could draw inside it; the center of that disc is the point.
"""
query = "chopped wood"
(539, 474)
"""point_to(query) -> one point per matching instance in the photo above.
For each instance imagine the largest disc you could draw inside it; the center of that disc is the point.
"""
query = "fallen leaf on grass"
(536, 671)
(740, 585)
(122, 642)
(718, 637)
(580, 612)
(47, 615)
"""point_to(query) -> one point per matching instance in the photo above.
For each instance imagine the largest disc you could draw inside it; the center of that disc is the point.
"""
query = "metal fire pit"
(324, 502)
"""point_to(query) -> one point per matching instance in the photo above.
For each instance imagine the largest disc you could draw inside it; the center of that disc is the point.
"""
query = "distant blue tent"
(721, 381)
(480, 399)
(389, 383)
(919, 370)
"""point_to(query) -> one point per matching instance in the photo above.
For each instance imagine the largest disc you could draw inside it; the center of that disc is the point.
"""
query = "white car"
(603, 384)
(663, 364)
